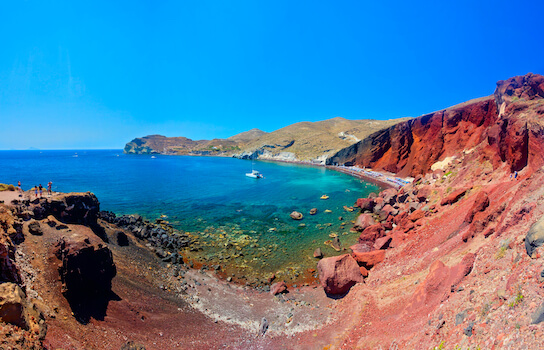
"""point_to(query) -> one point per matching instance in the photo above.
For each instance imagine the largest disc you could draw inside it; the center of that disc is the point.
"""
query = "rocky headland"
(300, 142)
(452, 260)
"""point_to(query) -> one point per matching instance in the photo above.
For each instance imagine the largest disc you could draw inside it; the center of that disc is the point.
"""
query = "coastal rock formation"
(86, 271)
(72, 208)
(166, 240)
(158, 144)
(338, 274)
(506, 125)
(8, 267)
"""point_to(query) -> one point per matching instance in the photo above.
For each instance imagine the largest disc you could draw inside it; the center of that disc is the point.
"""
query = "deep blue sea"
(211, 198)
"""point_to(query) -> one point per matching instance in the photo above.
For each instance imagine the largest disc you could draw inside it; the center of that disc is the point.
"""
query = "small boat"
(324, 196)
(255, 174)
(153, 157)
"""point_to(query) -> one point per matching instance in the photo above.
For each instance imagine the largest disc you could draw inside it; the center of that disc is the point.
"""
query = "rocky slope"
(313, 142)
(501, 126)
(459, 263)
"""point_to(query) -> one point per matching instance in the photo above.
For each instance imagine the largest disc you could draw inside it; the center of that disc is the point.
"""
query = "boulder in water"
(295, 215)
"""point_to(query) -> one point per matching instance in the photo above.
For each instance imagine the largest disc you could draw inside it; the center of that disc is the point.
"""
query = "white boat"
(255, 174)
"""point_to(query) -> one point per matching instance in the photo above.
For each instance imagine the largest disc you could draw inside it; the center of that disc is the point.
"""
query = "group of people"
(38, 190)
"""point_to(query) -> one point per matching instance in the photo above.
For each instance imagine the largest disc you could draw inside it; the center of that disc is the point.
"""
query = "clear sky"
(96, 74)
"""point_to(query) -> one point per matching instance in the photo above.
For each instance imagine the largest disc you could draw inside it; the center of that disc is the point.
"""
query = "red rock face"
(453, 197)
(278, 288)
(440, 282)
(371, 233)
(338, 274)
(480, 204)
(363, 221)
(369, 259)
(508, 125)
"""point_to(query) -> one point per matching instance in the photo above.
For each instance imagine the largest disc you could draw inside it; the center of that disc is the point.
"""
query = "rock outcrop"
(535, 237)
(158, 144)
(440, 282)
(338, 274)
(507, 125)
(86, 271)
(16, 309)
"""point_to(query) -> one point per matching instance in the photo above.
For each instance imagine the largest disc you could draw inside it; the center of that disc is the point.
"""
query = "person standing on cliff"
(36, 191)
(49, 185)
(19, 186)
(41, 190)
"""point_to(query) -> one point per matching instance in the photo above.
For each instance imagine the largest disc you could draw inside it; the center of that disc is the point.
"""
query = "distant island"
(312, 142)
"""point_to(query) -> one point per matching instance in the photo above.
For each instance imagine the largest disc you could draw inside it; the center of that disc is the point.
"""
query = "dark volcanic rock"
(86, 272)
(538, 315)
(535, 237)
(35, 228)
(74, 208)
(122, 238)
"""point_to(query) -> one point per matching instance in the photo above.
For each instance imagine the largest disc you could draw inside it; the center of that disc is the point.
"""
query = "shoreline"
(385, 179)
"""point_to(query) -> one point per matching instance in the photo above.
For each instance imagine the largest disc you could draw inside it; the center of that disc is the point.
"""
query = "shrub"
(4, 187)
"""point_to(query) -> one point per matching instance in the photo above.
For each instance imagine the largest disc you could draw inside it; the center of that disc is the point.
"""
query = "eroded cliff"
(502, 126)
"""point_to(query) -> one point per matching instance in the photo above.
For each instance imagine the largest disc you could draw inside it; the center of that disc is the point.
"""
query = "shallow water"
(242, 223)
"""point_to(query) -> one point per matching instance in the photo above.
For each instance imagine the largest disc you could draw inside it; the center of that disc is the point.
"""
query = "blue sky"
(97, 74)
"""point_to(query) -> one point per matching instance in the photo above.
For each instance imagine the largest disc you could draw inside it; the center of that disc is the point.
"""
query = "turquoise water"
(243, 224)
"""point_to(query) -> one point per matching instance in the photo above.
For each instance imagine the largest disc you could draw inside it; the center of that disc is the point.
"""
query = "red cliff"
(506, 126)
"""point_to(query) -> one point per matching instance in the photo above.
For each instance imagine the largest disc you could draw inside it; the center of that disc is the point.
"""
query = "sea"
(242, 224)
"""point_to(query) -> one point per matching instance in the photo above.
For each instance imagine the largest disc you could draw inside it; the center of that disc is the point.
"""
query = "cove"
(242, 224)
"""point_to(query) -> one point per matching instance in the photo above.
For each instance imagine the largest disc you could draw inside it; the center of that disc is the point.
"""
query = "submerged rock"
(296, 215)
(318, 253)
(313, 211)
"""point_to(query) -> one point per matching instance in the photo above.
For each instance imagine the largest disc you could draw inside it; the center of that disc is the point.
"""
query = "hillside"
(158, 144)
(312, 141)
(304, 141)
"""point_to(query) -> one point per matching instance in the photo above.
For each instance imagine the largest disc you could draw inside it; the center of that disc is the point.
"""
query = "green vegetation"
(4, 187)
(440, 346)
(517, 300)
(502, 252)
(515, 98)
